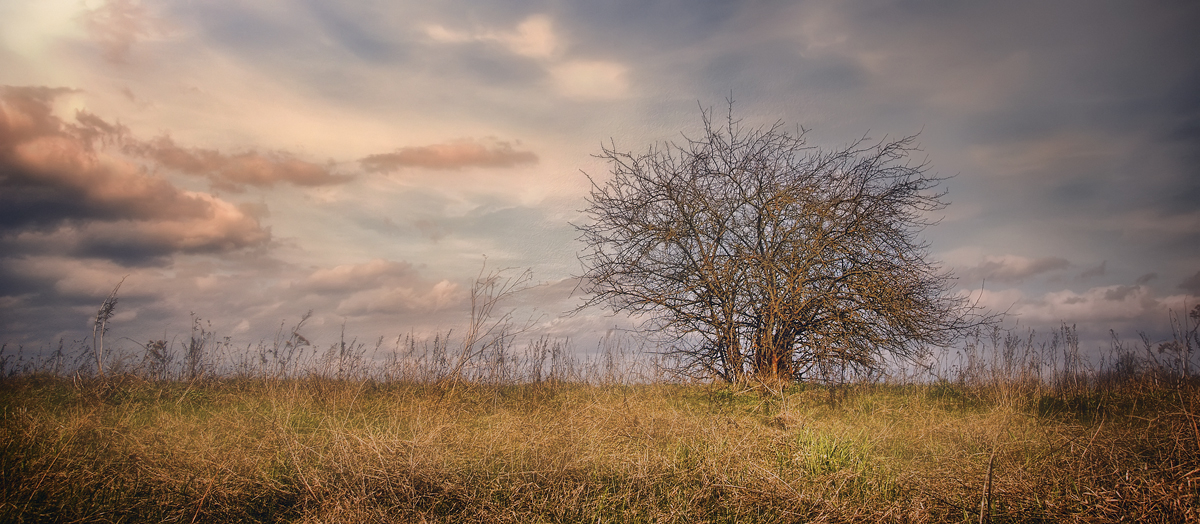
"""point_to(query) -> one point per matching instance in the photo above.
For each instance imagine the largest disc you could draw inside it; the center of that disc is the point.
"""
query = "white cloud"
(534, 37)
(242, 327)
(440, 33)
(35, 28)
(595, 80)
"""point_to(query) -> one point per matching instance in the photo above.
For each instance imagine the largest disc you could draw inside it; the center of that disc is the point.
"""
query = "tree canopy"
(759, 255)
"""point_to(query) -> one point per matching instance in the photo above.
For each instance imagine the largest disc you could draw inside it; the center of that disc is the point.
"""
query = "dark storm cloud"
(1097, 271)
(15, 284)
(1191, 284)
(1068, 113)
(61, 192)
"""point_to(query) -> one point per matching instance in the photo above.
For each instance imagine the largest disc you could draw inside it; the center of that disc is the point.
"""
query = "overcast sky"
(249, 161)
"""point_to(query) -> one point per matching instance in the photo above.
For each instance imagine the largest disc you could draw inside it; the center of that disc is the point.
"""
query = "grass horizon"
(322, 449)
(1012, 429)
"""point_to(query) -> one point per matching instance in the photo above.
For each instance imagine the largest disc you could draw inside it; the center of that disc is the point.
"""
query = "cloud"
(1122, 309)
(450, 156)
(58, 294)
(1097, 271)
(223, 228)
(1191, 284)
(59, 192)
(116, 25)
(380, 286)
(1103, 304)
(235, 172)
(68, 277)
(355, 277)
(402, 299)
(431, 229)
(1035, 156)
(594, 80)
(1012, 268)
(534, 37)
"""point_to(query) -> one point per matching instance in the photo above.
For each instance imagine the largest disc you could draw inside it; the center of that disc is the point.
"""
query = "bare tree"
(760, 256)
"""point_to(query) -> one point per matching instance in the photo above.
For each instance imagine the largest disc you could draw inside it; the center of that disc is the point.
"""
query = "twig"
(776, 477)
(985, 505)
(200, 505)
(1093, 439)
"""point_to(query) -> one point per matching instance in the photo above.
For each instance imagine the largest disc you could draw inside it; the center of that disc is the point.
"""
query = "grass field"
(125, 448)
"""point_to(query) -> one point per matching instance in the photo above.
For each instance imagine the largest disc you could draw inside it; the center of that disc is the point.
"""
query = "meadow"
(1012, 430)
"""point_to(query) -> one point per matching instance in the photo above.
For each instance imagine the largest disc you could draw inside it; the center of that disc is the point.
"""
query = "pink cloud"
(115, 26)
(58, 189)
(234, 172)
(451, 155)
(25, 113)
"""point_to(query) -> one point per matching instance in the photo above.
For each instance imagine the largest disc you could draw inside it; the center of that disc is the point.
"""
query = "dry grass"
(322, 450)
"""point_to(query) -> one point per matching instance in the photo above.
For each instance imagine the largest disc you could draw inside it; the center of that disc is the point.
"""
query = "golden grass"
(318, 450)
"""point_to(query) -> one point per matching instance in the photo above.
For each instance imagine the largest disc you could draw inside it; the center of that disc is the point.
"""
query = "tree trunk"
(772, 360)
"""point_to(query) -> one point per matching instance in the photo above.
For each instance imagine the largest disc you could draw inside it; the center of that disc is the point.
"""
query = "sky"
(247, 162)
